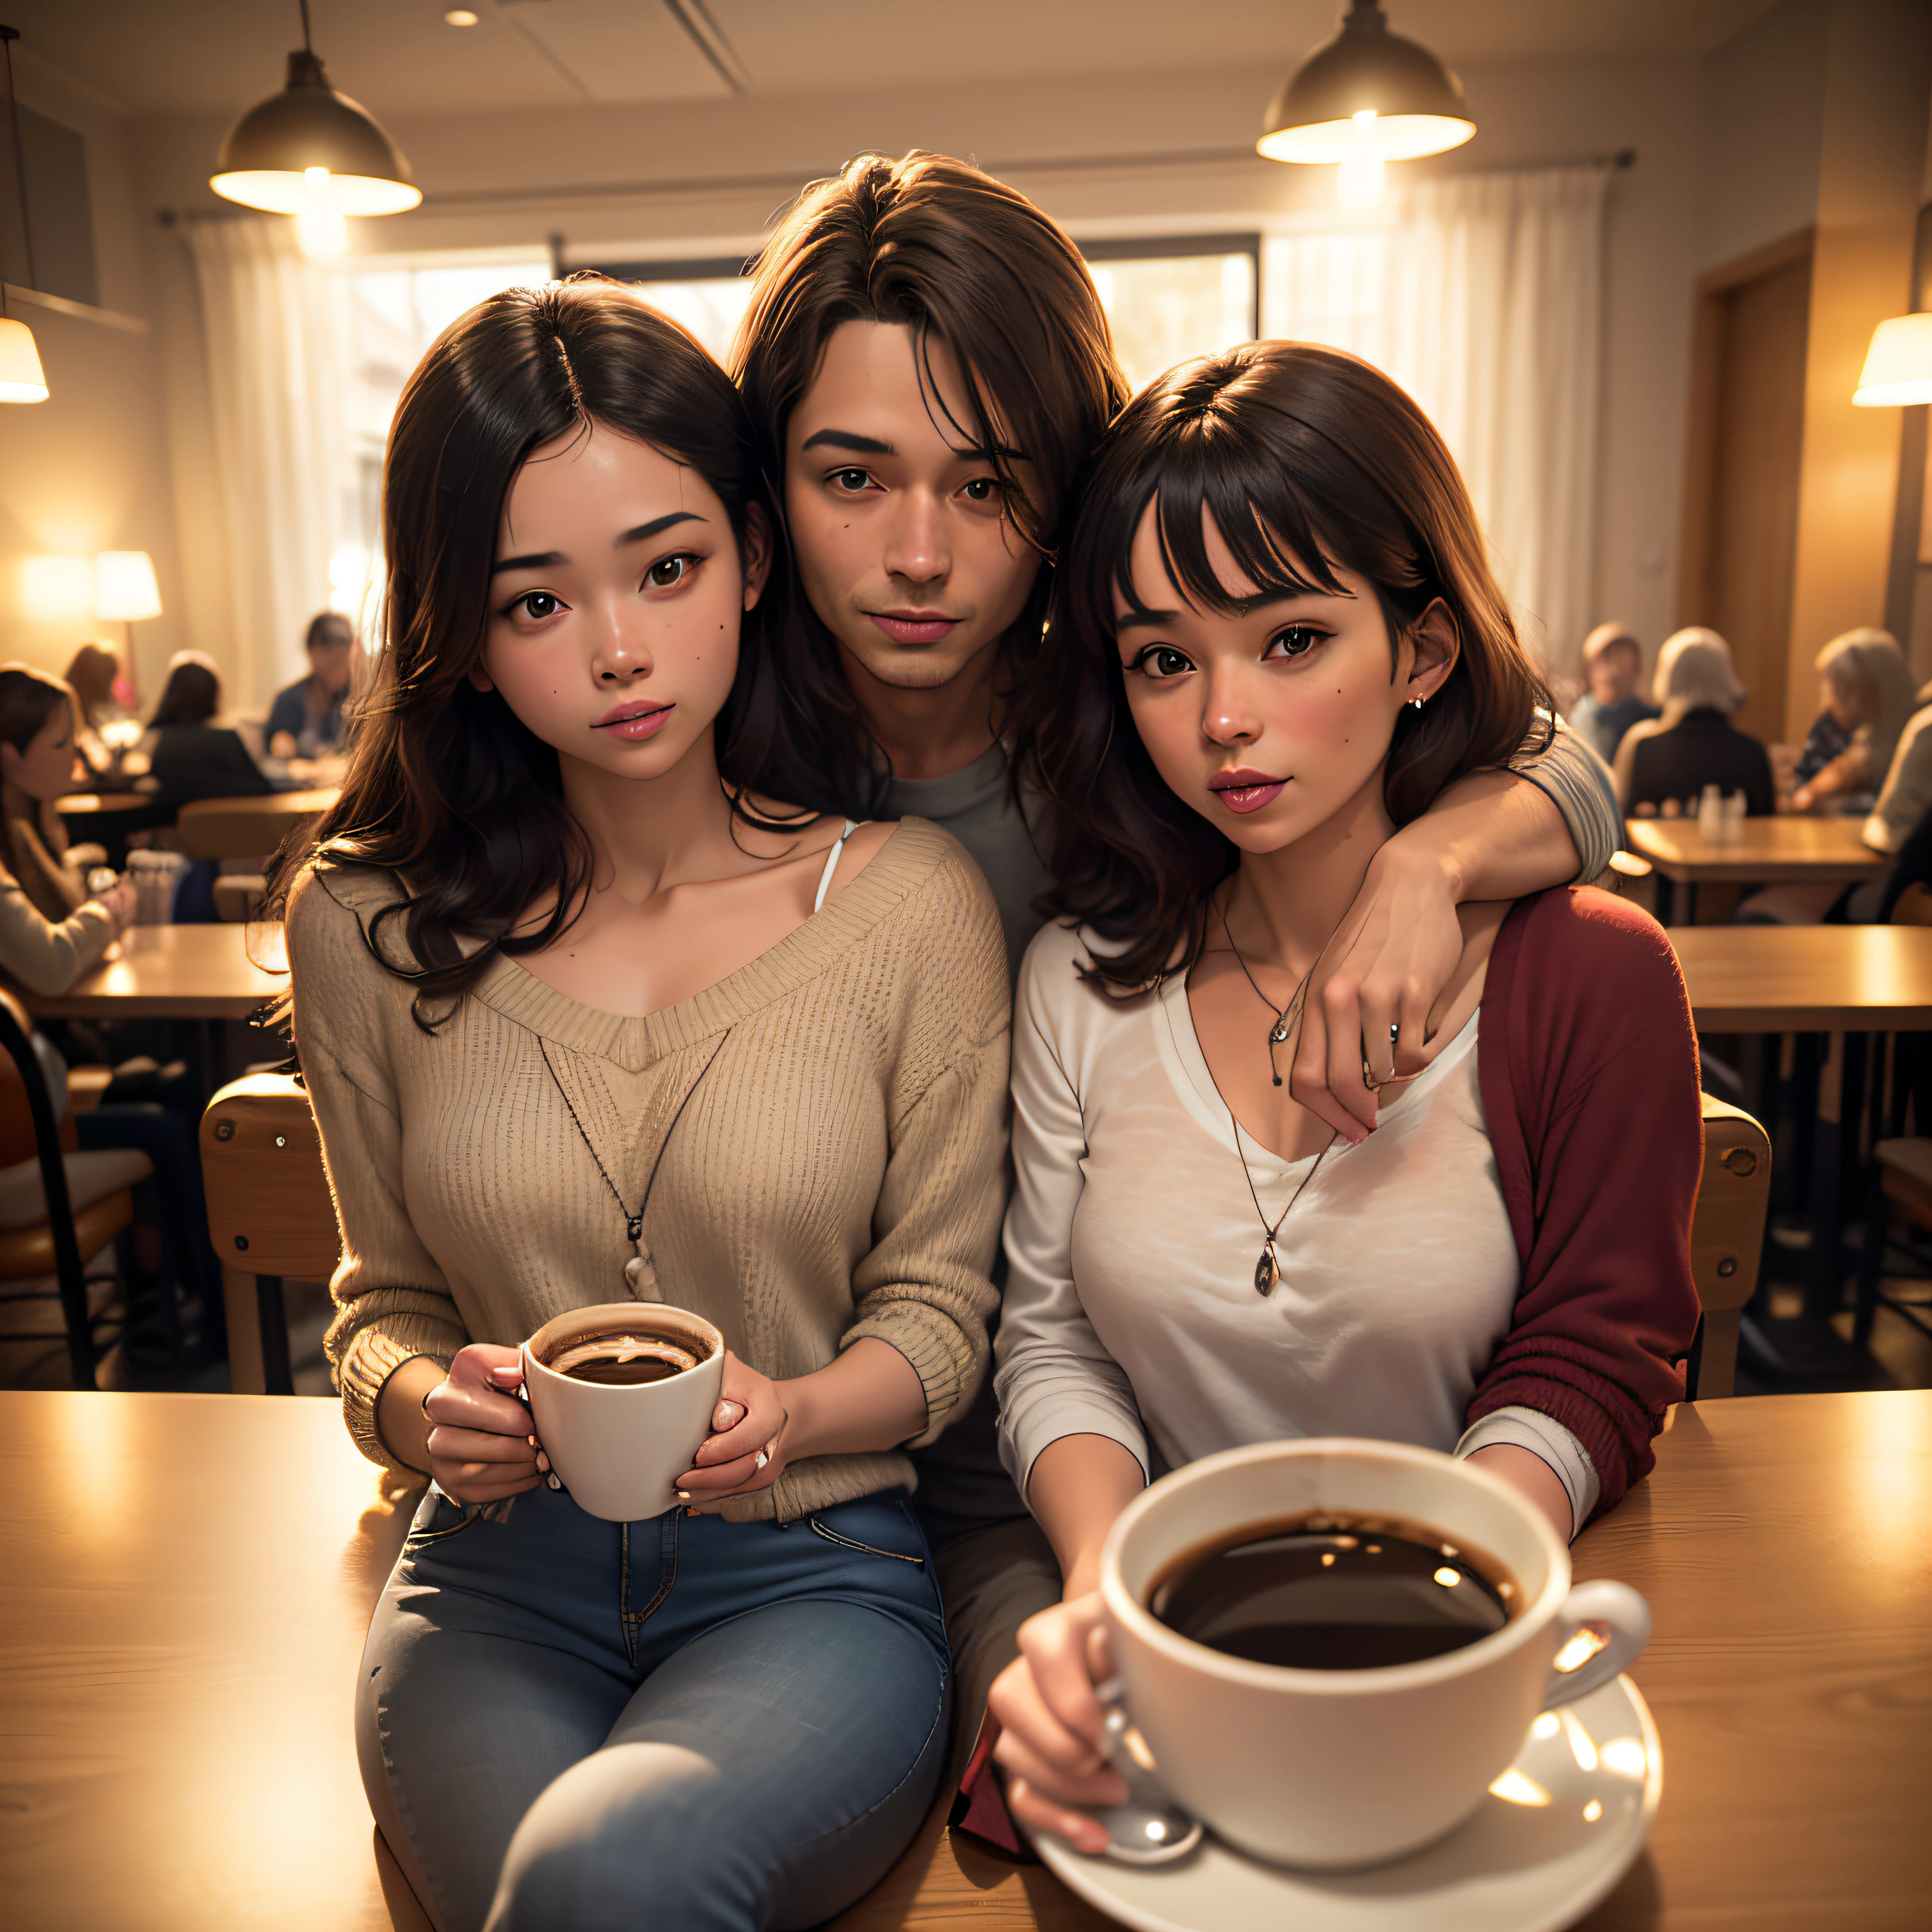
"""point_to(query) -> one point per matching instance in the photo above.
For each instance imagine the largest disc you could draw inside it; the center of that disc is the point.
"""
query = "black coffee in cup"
(627, 1358)
(1334, 1592)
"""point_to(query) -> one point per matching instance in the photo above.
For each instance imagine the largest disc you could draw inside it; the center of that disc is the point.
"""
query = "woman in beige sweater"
(585, 1017)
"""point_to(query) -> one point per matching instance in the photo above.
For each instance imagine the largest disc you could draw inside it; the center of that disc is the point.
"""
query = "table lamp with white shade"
(124, 589)
(1898, 365)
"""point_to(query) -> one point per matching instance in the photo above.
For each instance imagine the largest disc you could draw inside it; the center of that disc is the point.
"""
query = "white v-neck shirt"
(1130, 1309)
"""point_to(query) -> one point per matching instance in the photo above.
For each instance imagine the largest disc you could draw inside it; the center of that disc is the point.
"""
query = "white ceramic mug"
(1334, 1769)
(619, 1446)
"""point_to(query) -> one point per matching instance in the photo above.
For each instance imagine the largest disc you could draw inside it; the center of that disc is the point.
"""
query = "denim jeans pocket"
(438, 1518)
(878, 1516)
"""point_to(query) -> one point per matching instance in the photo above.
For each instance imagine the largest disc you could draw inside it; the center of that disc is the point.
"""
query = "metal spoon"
(1150, 1829)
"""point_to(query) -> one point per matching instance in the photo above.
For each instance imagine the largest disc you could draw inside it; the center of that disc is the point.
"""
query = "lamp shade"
(1365, 90)
(124, 586)
(1898, 364)
(21, 378)
(309, 148)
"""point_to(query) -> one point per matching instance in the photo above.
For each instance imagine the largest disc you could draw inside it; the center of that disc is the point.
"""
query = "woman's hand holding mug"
(480, 1444)
(749, 1422)
(1050, 1724)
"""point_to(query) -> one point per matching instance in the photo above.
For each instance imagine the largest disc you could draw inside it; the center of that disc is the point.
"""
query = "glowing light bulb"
(1359, 178)
(321, 233)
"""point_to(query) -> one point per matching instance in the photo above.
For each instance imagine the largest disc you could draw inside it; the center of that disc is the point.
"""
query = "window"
(708, 297)
(385, 319)
(1167, 300)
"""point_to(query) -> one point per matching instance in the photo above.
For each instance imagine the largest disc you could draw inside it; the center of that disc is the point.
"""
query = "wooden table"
(1808, 978)
(176, 972)
(1850, 982)
(1767, 852)
(189, 1578)
(87, 804)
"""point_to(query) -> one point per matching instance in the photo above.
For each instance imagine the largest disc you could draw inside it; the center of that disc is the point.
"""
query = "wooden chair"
(1727, 1241)
(58, 1207)
(270, 1213)
(246, 828)
(1905, 1181)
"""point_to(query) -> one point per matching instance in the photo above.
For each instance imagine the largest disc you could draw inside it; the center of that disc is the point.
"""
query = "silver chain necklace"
(1268, 1267)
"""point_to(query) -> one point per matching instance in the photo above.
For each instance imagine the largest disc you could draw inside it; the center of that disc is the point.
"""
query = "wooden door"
(1741, 484)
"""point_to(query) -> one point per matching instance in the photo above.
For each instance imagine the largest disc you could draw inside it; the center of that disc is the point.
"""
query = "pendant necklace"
(1268, 1267)
(633, 1224)
(1285, 1017)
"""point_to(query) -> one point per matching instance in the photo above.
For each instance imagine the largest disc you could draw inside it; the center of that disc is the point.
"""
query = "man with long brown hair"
(929, 363)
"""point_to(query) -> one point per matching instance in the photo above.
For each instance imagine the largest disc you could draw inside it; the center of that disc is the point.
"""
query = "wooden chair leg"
(1716, 1349)
(1871, 1269)
(271, 1318)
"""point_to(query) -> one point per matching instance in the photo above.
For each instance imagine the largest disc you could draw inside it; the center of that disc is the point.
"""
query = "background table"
(180, 972)
(189, 1578)
(1808, 978)
(1850, 982)
(1769, 852)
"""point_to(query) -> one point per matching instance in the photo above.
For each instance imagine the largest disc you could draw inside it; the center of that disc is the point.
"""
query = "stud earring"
(1416, 704)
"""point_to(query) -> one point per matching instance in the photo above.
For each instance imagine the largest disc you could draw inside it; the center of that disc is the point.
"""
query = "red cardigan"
(1587, 1062)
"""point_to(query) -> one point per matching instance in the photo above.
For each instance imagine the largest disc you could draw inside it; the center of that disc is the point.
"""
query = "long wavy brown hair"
(448, 789)
(962, 259)
(1308, 460)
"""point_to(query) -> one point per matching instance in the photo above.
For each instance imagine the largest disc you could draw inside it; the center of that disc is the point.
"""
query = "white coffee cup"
(1328, 1769)
(620, 1446)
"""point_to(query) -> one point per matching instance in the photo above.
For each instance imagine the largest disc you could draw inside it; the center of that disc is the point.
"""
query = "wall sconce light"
(1898, 364)
(1366, 96)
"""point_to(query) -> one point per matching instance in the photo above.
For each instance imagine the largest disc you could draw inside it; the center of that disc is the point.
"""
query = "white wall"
(89, 468)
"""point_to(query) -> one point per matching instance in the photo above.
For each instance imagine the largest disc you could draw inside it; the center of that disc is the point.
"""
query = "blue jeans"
(684, 1724)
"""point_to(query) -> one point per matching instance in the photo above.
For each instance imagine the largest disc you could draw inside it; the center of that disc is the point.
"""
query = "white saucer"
(1518, 1865)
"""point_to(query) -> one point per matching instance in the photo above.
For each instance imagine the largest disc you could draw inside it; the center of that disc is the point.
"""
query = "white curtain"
(1483, 298)
(281, 440)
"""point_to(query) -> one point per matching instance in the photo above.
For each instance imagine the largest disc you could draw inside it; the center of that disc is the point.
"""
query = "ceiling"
(398, 57)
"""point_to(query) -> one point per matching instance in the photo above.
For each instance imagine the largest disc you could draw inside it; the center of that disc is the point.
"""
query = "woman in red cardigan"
(1280, 640)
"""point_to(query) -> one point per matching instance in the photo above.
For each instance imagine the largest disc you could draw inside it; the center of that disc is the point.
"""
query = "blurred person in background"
(1613, 666)
(1907, 794)
(54, 926)
(306, 720)
(1867, 693)
(91, 677)
(1690, 742)
(56, 920)
(189, 756)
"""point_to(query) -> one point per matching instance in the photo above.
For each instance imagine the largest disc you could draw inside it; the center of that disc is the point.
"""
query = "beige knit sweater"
(826, 1126)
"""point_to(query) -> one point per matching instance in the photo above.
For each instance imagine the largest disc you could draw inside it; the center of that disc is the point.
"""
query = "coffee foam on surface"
(620, 1348)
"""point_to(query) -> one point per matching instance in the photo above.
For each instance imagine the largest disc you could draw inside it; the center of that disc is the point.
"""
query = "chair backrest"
(1727, 1239)
(269, 1209)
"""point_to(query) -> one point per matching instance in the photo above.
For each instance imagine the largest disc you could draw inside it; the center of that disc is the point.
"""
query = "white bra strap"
(832, 863)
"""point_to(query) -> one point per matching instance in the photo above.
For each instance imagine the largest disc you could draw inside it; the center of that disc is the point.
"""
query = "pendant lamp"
(309, 150)
(22, 378)
(1366, 96)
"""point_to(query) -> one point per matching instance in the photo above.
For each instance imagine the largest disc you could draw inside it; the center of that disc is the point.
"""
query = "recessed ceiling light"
(460, 17)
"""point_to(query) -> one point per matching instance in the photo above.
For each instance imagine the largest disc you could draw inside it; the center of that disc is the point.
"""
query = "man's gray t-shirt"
(976, 805)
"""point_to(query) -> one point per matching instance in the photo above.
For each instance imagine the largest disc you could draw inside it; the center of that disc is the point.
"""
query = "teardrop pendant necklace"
(1268, 1267)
